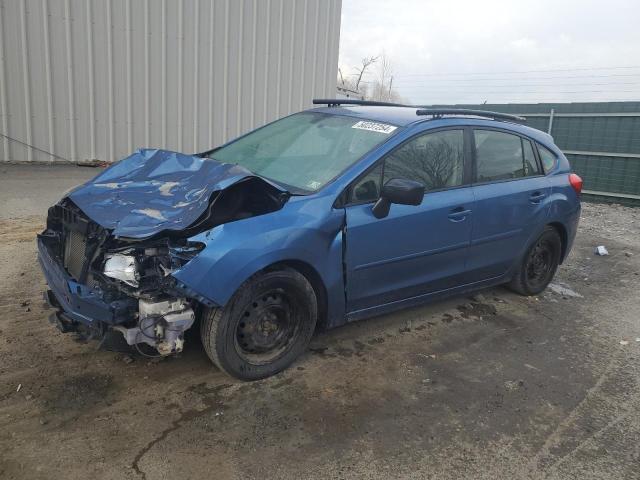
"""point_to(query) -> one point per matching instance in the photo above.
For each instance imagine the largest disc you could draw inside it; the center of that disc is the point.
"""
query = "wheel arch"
(564, 238)
(314, 278)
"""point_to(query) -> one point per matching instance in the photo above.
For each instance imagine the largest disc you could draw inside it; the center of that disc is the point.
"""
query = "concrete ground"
(494, 386)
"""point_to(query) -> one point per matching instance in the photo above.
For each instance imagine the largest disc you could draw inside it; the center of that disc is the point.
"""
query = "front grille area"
(75, 250)
(76, 234)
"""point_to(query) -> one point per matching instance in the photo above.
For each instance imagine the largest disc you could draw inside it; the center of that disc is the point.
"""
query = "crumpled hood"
(154, 190)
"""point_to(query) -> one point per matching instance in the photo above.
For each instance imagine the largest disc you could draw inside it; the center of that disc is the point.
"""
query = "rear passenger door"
(510, 191)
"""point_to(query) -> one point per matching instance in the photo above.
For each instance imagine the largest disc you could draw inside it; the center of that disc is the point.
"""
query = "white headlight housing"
(121, 267)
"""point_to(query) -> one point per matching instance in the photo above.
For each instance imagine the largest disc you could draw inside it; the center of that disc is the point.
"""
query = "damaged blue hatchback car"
(330, 215)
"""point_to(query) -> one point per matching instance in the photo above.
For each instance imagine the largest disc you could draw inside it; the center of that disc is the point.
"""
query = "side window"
(367, 188)
(434, 159)
(501, 156)
(549, 160)
(530, 165)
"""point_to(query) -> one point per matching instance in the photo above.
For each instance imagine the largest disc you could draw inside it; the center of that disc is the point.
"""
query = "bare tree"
(380, 87)
(385, 72)
(366, 63)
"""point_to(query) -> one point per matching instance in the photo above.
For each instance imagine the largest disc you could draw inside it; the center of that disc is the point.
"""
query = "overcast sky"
(471, 51)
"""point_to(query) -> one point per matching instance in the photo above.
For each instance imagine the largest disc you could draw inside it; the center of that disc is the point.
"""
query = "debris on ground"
(19, 387)
(432, 355)
(624, 342)
(93, 163)
(406, 328)
(479, 298)
(127, 359)
(512, 385)
(601, 250)
(563, 290)
(447, 318)
(477, 310)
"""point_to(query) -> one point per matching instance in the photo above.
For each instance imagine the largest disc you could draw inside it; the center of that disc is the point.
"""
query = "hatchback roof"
(399, 116)
(410, 110)
(403, 116)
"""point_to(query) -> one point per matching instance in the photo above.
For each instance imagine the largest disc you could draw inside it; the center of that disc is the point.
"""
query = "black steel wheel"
(539, 265)
(265, 326)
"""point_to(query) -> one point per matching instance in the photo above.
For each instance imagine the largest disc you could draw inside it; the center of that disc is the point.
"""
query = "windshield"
(306, 150)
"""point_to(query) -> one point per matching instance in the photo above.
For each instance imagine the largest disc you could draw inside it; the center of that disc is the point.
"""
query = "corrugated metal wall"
(600, 139)
(95, 79)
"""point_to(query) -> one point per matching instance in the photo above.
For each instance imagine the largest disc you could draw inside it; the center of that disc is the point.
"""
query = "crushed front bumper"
(74, 302)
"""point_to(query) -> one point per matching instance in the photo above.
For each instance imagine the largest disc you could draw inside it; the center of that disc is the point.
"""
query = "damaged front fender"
(305, 231)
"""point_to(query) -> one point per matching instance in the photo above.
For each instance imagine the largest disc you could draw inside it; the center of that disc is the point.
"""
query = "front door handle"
(536, 197)
(459, 214)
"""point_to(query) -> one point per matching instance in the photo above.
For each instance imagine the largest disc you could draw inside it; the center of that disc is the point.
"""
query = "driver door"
(415, 250)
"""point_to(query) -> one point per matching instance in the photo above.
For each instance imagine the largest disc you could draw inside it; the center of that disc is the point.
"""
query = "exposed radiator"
(75, 248)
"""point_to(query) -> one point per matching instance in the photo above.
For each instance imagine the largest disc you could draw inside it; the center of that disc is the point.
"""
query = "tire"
(265, 326)
(539, 264)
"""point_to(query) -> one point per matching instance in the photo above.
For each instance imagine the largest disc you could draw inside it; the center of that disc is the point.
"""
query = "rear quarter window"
(548, 158)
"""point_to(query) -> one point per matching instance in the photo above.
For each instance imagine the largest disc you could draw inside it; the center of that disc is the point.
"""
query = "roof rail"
(422, 110)
(334, 102)
(439, 112)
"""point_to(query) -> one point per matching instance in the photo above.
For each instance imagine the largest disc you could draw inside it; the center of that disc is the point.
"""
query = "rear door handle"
(537, 197)
(459, 214)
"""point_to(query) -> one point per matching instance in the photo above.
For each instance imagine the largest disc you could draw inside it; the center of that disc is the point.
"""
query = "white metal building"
(96, 79)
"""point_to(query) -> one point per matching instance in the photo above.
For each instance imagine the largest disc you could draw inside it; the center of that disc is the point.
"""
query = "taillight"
(576, 182)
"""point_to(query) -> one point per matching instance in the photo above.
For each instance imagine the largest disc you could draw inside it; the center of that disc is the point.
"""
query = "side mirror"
(398, 190)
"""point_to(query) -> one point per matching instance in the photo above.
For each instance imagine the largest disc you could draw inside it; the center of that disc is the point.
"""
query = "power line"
(512, 85)
(436, 74)
(509, 79)
(474, 80)
(471, 91)
(532, 97)
(480, 99)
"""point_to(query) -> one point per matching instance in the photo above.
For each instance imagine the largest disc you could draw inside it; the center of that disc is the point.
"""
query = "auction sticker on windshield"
(375, 127)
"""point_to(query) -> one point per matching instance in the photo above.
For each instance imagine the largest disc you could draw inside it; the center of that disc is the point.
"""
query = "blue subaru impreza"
(327, 216)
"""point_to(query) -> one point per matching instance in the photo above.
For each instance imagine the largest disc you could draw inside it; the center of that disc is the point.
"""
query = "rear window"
(548, 158)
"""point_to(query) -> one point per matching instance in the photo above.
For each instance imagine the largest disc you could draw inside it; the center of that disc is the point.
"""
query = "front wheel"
(539, 265)
(265, 326)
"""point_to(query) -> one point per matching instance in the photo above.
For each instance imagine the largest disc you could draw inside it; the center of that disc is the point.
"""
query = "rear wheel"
(265, 326)
(539, 265)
